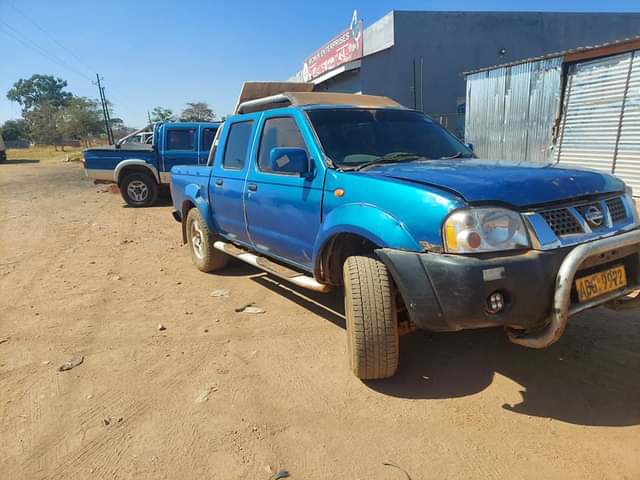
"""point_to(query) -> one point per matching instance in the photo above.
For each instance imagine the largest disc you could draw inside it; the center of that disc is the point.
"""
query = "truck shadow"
(19, 161)
(590, 377)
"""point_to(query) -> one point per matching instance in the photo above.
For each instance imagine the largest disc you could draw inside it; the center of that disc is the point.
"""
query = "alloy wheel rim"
(197, 239)
(138, 191)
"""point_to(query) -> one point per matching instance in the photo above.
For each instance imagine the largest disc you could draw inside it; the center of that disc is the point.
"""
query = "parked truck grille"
(616, 209)
(562, 221)
(572, 219)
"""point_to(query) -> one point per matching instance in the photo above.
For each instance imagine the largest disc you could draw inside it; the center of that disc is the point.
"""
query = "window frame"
(202, 136)
(306, 147)
(251, 122)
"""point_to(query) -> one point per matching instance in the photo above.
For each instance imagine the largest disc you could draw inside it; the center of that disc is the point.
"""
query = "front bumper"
(449, 292)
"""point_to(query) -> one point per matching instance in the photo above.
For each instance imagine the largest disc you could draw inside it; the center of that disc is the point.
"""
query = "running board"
(271, 267)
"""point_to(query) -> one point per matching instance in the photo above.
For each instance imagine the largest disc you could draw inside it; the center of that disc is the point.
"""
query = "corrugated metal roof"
(588, 51)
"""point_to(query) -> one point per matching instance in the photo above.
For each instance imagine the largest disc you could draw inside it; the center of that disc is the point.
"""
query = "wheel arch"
(356, 229)
(134, 165)
(194, 197)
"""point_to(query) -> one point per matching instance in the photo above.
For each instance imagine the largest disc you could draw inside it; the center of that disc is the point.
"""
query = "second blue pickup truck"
(140, 169)
(360, 193)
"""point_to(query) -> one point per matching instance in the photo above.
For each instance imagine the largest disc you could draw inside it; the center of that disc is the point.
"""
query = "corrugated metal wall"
(627, 162)
(600, 128)
(511, 110)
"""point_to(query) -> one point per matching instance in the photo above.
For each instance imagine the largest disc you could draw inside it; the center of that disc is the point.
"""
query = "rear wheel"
(372, 319)
(139, 189)
(200, 240)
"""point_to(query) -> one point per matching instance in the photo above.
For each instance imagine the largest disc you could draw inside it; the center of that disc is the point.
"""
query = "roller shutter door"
(600, 127)
(627, 162)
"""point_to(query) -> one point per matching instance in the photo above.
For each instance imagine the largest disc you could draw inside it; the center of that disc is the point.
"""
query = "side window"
(278, 132)
(181, 139)
(235, 152)
(207, 138)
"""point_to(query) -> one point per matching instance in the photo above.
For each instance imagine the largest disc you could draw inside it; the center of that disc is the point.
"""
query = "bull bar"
(562, 309)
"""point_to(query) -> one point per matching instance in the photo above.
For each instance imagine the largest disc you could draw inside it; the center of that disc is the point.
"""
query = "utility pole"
(105, 111)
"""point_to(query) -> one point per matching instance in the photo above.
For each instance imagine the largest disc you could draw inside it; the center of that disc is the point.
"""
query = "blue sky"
(171, 52)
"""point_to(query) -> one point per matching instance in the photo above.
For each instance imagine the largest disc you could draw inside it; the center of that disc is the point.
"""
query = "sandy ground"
(227, 395)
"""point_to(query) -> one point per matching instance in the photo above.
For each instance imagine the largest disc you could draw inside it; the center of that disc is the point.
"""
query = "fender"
(134, 161)
(368, 221)
(197, 195)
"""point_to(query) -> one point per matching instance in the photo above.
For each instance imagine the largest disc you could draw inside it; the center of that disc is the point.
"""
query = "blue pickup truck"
(140, 169)
(360, 193)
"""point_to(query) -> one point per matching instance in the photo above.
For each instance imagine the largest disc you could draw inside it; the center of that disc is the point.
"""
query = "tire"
(372, 319)
(200, 240)
(139, 189)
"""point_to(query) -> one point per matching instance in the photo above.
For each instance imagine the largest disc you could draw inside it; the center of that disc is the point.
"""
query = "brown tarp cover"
(299, 93)
(255, 90)
(330, 98)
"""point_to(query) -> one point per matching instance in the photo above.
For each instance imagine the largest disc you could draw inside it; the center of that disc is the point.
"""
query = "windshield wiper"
(395, 157)
(456, 155)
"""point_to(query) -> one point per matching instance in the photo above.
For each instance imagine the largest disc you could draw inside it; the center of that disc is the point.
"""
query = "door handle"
(252, 187)
(219, 182)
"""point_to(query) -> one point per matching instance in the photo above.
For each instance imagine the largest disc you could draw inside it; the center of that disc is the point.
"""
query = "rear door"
(180, 146)
(207, 133)
(226, 188)
(283, 210)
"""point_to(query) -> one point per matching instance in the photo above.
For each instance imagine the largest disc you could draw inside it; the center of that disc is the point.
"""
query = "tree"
(81, 119)
(39, 90)
(45, 125)
(15, 130)
(197, 112)
(119, 128)
(160, 114)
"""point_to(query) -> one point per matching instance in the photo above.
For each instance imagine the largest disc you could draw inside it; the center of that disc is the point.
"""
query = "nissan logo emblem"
(594, 215)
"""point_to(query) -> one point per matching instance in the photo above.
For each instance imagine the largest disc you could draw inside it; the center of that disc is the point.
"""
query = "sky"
(166, 53)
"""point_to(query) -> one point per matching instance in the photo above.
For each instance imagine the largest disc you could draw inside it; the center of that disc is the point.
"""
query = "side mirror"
(469, 146)
(290, 160)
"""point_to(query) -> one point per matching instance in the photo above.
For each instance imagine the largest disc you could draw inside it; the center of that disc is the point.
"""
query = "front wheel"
(139, 189)
(372, 319)
(200, 239)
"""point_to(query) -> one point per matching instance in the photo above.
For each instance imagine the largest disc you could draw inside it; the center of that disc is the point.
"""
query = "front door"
(226, 186)
(180, 147)
(283, 209)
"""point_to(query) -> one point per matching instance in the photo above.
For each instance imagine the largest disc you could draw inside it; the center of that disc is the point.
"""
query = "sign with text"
(343, 48)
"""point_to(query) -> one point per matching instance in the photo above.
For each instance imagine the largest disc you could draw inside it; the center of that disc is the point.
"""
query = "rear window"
(181, 139)
(235, 152)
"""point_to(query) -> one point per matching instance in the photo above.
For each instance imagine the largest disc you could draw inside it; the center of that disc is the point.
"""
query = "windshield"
(353, 137)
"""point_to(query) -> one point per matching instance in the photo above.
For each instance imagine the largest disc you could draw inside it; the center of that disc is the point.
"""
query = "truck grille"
(616, 209)
(562, 221)
(569, 220)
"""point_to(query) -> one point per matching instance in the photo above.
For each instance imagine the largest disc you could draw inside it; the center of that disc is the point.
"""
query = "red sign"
(344, 48)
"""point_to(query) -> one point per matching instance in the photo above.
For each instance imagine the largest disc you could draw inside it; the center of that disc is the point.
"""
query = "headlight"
(477, 230)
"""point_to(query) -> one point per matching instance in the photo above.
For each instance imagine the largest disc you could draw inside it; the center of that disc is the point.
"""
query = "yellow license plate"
(597, 284)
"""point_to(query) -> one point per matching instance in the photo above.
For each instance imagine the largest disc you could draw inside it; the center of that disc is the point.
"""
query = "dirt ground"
(225, 395)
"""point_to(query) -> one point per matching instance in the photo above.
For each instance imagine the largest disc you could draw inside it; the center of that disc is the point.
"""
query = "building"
(580, 108)
(417, 58)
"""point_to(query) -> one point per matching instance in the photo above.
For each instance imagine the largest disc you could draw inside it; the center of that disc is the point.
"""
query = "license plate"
(597, 284)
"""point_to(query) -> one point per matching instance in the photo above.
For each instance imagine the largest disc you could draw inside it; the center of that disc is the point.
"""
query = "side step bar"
(271, 267)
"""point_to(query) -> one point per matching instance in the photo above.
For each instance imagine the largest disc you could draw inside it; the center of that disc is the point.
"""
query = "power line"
(70, 52)
(21, 38)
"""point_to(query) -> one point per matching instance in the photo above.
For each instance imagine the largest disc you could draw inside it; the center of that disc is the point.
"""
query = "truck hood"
(517, 184)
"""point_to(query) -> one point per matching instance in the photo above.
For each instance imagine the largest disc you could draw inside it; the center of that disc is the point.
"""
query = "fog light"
(495, 303)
